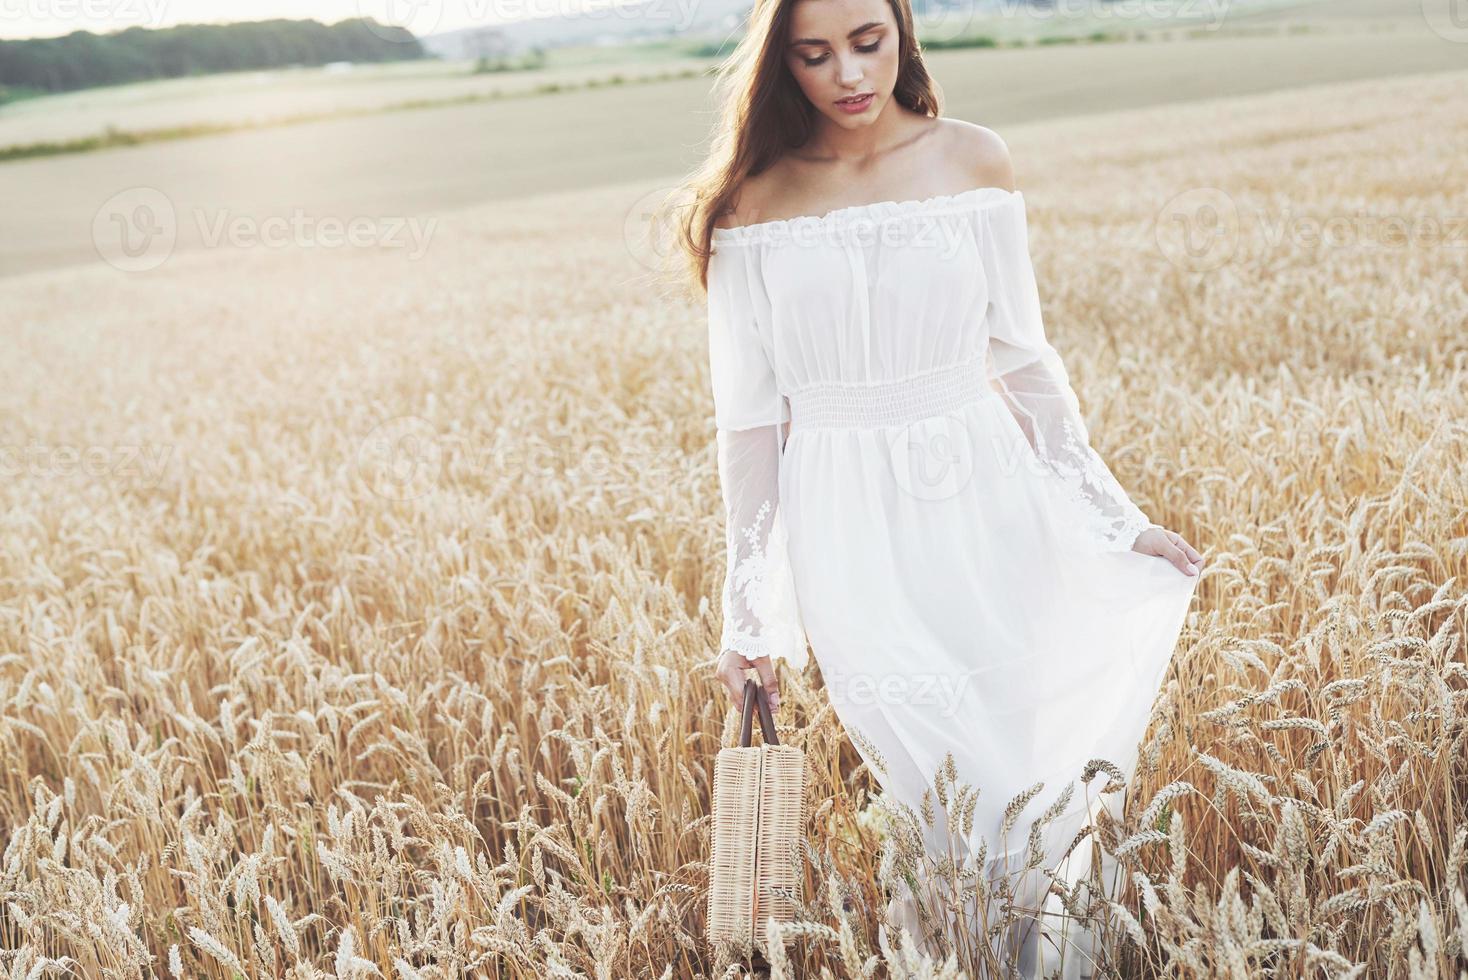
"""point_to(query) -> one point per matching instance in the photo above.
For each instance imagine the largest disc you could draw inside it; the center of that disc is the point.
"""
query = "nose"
(850, 71)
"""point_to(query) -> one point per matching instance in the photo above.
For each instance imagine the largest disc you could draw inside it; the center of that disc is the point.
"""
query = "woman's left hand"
(1159, 541)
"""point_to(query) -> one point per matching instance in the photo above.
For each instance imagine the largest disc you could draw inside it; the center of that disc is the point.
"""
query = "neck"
(859, 146)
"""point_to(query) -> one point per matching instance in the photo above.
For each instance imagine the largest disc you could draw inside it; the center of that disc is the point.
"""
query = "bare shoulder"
(981, 152)
(750, 199)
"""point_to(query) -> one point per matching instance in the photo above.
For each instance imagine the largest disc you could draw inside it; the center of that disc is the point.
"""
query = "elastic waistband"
(883, 403)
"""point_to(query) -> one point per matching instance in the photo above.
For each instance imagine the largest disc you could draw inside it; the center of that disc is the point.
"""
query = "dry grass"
(260, 716)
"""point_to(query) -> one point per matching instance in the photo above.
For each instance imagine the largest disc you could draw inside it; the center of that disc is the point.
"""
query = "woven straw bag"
(758, 831)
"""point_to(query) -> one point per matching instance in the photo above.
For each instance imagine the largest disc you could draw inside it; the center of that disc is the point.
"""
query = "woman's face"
(839, 49)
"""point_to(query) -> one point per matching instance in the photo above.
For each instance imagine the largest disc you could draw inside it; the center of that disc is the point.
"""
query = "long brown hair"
(761, 113)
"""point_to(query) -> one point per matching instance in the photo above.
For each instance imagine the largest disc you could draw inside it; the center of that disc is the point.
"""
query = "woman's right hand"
(730, 671)
(1158, 540)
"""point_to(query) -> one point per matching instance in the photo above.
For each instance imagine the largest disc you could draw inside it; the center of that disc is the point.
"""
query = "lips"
(850, 99)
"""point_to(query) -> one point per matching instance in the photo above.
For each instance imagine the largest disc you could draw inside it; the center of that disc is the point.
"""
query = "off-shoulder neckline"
(873, 210)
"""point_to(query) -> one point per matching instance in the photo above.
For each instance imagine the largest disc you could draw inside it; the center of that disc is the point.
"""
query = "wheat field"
(360, 608)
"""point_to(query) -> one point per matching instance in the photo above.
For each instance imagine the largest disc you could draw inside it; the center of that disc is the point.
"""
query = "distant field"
(266, 97)
(1331, 14)
(1019, 23)
(361, 608)
(426, 162)
(262, 97)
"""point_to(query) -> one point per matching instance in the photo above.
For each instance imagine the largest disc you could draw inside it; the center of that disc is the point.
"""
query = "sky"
(53, 18)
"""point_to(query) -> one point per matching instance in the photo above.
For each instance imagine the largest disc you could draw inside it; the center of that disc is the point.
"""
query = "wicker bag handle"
(754, 693)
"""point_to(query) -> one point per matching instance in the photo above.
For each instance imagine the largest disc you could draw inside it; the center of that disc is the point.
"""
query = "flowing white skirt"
(954, 606)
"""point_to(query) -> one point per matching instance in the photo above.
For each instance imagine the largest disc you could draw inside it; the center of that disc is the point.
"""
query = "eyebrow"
(849, 34)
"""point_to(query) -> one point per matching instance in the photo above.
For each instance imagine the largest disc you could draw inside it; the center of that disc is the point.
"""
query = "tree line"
(82, 59)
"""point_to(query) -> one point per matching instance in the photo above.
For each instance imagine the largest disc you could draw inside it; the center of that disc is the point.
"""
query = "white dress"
(936, 524)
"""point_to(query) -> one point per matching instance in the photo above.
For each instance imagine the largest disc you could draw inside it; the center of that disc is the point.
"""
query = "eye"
(863, 48)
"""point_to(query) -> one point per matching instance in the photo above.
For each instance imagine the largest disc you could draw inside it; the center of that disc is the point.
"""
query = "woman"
(933, 519)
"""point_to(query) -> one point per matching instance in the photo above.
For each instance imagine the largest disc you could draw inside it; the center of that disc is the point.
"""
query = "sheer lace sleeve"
(1029, 374)
(760, 614)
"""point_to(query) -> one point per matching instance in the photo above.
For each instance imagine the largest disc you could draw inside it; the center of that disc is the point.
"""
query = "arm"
(748, 462)
(1031, 378)
(760, 617)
